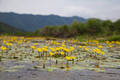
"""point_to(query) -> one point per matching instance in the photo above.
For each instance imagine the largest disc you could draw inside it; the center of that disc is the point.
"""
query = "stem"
(67, 66)
(56, 61)
(73, 61)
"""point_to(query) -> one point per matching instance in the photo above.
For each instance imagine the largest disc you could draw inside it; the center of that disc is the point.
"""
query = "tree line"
(91, 27)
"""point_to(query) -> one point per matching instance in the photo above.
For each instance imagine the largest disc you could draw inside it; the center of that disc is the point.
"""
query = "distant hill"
(5, 28)
(31, 22)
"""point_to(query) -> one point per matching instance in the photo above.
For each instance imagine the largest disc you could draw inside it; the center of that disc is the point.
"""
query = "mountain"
(31, 22)
(5, 28)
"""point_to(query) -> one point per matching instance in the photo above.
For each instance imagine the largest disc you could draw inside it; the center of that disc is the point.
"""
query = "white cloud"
(104, 9)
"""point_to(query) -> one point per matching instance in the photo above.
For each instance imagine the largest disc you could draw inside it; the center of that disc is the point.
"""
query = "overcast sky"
(104, 9)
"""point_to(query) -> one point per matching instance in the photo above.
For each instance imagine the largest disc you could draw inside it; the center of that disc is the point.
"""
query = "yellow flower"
(39, 49)
(100, 46)
(107, 42)
(33, 47)
(52, 49)
(67, 58)
(110, 46)
(51, 53)
(66, 50)
(102, 53)
(96, 50)
(72, 48)
(35, 44)
(117, 42)
(3, 48)
(80, 46)
(44, 49)
(62, 53)
(86, 49)
(63, 45)
(9, 44)
(19, 42)
(84, 46)
(56, 52)
(57, 48)
(73, 57)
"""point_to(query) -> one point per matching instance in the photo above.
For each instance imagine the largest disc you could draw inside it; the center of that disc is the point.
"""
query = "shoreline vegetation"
(91, 29)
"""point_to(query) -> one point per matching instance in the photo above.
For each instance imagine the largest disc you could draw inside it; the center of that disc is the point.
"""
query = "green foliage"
(92, 27)
(107, 27)
(7, 29)
(114, 38)
(75, 28)
(116, 26)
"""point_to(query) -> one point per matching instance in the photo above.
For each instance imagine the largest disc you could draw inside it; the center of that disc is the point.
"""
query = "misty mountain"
(30, 22)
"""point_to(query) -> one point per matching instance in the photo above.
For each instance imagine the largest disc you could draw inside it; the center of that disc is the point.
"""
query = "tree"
(74, 29)
(107, 27)
(64, 31)
(116, 26)
(94, 26)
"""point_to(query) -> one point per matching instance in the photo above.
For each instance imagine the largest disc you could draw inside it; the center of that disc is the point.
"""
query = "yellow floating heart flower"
(80, 46)
(44, 49)
(62, 53)
(100, 46)
(3, 48)
(67, 58)
(72, 48)
(66, 50)
(102, 53)
(51, 53)
(87, 49)
(84, 46)
(33, 47)
(57, 48)
(73, 57)
(9, 44)
(52, 49)
(39, 49)
(110, 46)
(35, 44)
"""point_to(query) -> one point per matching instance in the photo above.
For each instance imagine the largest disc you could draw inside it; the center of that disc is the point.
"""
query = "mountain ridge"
(31, 22)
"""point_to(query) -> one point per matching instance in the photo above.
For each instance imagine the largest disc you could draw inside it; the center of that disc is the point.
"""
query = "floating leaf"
(50, 69)
(11, 70)
(17, 67)
(77, 67)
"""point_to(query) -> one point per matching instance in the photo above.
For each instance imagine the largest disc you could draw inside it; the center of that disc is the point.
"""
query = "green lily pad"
(50, 69)
(77, 68)
(11, 70)
(17, 67)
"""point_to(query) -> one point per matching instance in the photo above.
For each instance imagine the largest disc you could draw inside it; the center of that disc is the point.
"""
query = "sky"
(103, 9)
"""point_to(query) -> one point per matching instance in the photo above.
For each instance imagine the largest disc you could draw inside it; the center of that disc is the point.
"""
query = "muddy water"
(33, 74)
(13, 70)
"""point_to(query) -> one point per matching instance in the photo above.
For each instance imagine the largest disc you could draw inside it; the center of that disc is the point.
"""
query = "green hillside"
(5, 28)
(30, 22)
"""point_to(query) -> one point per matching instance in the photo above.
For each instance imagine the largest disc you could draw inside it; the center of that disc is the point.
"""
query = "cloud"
(104, 9)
